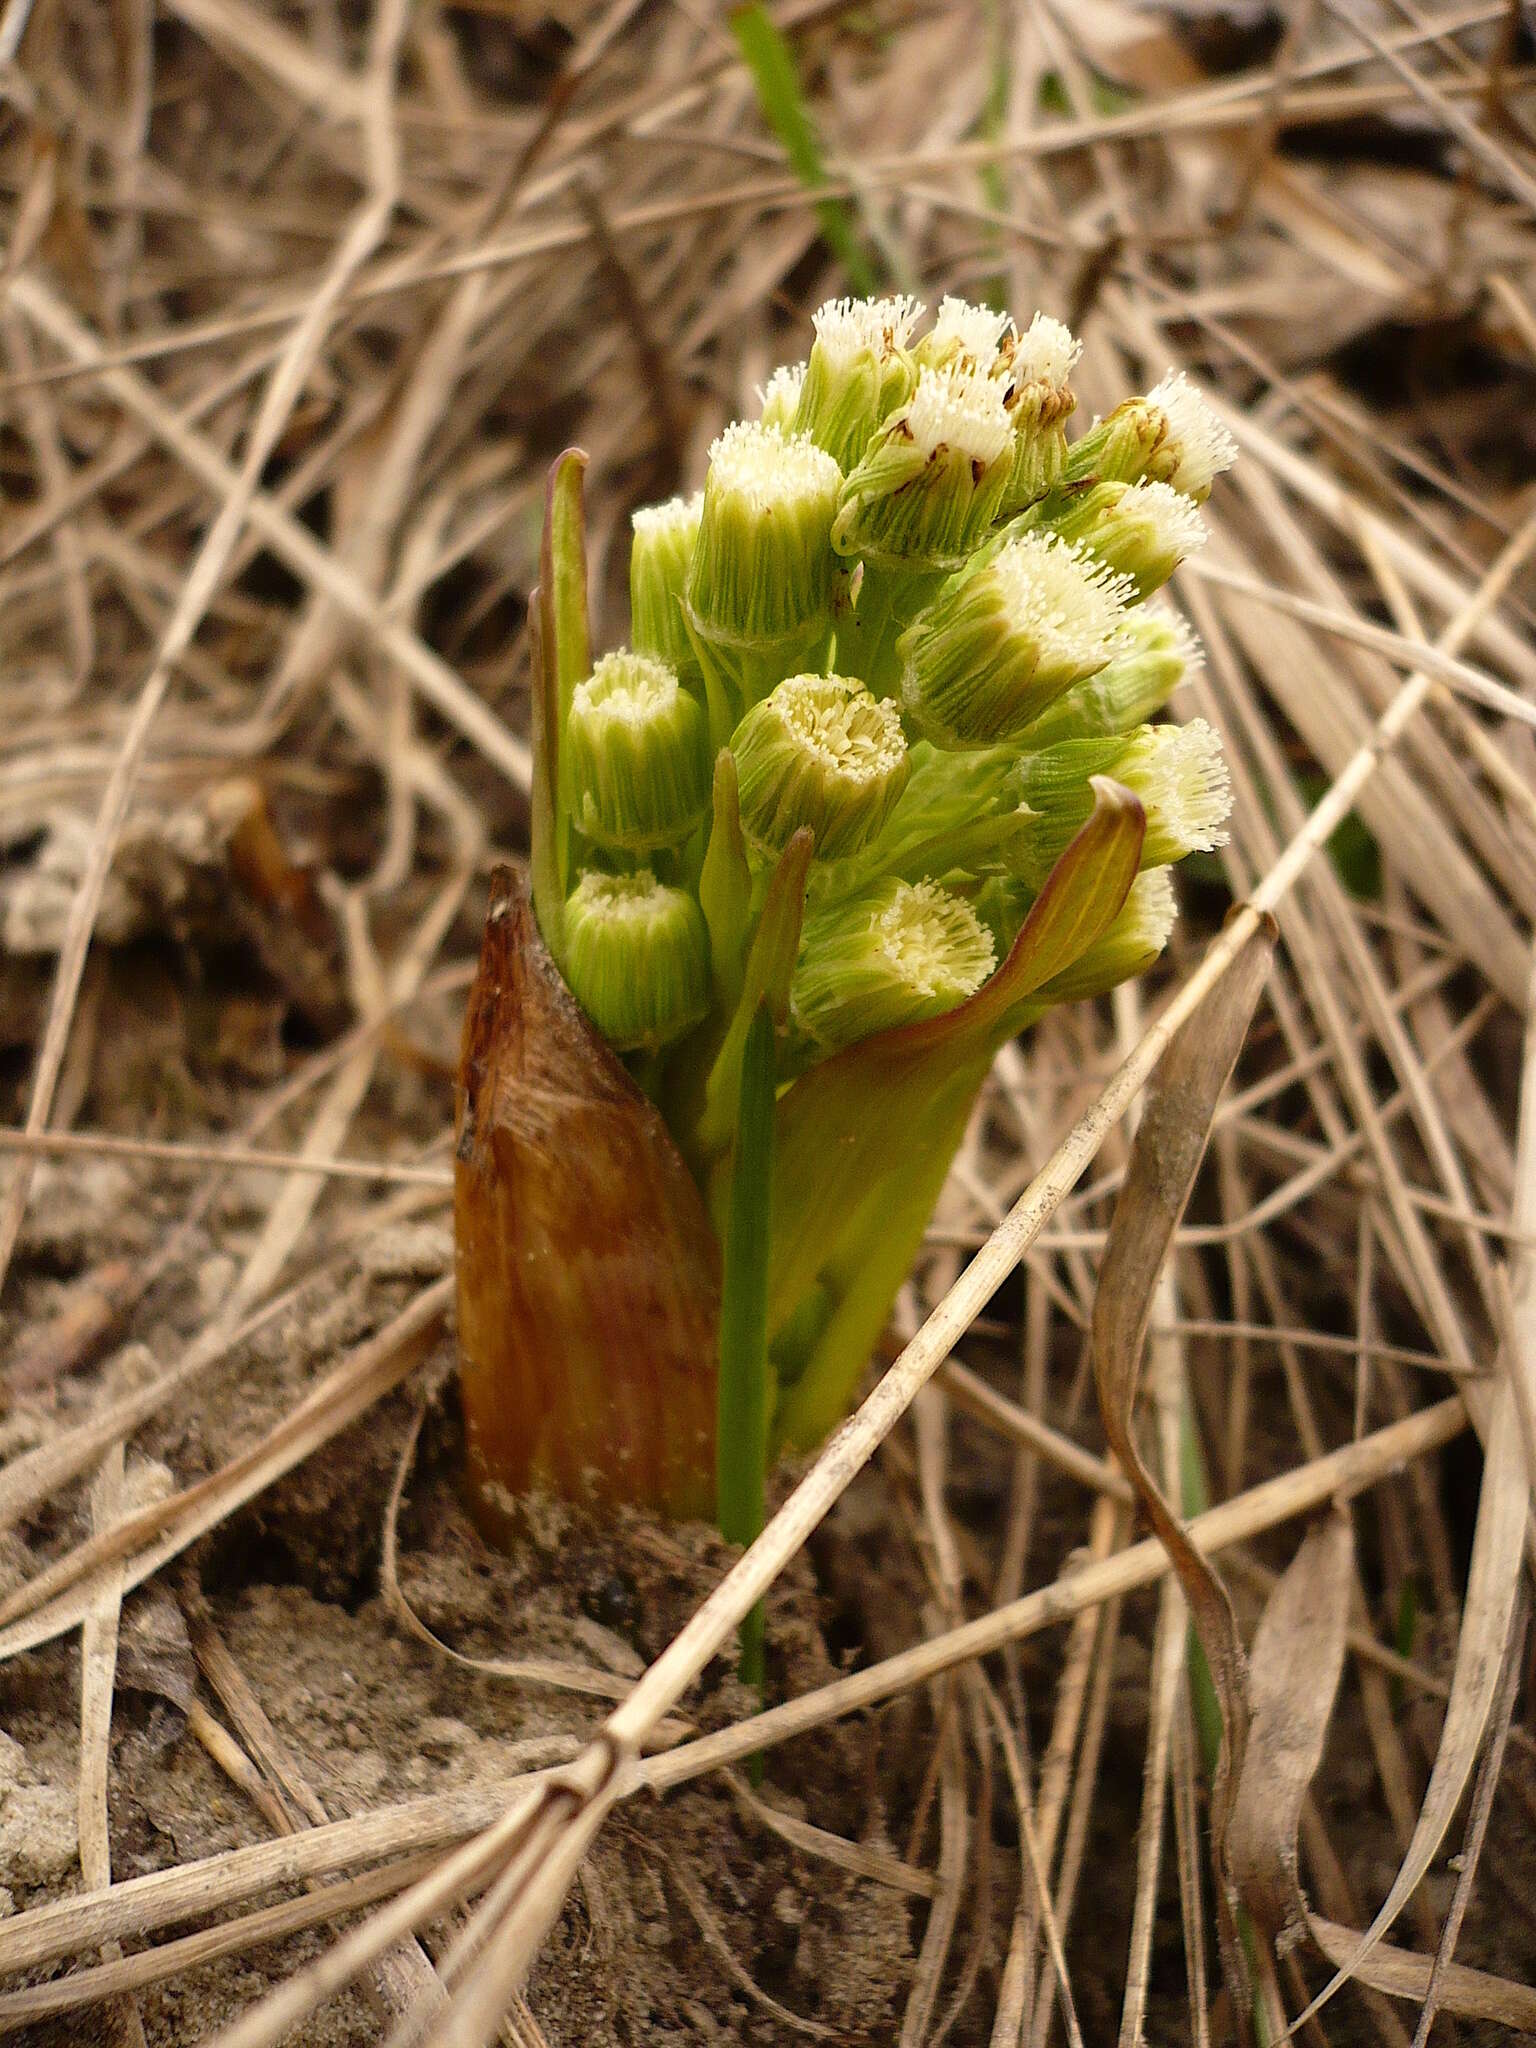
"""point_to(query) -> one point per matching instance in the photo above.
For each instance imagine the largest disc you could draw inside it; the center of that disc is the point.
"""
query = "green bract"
(635, 764)
(879, 785)
(660, 557)
(1157, 652)
(637, 958)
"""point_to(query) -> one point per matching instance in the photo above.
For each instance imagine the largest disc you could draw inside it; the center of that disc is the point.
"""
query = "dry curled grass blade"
(1294, 1668)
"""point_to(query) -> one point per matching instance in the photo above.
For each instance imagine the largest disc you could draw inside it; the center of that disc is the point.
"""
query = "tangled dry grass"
(296, 303)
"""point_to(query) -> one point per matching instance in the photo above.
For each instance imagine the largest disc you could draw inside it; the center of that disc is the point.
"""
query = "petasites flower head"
(859, 370)
(762, 568)
(974, 339)
(634, 762)
(636, 958)
(931, 481)
(1144, 530)
(780, 397)
(1170, 436)
(1157, 654)
(1135, 939)
(664, 537)
(818, 751)
(1000, 642)
(1040, 402)
(1175, 771)
(891, 955)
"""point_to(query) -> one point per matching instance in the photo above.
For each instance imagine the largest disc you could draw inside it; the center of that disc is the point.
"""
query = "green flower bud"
(634, 758)
(637, 958)
(762, 568)
(1144, 530)
(1040, 402)
(1001, 641)
(1159, 654)
(859, 371)
(781, 397)
(1176, 771)
(1171, 436)
(895, 953)
(1135, 939)
(930, 483)
(818, 751)
(664, 540)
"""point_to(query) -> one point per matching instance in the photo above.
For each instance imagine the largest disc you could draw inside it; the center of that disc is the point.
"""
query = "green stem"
(741, 1440)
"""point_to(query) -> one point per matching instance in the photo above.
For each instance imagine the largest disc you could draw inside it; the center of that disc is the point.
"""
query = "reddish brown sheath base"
(588, 1273)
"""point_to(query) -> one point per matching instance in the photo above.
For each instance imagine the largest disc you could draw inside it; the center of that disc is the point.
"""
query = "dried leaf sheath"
(588, 1274)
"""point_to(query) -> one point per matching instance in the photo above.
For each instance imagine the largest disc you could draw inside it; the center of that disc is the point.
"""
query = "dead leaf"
(1293, 1676)
(588, 1274)
(155, 1652)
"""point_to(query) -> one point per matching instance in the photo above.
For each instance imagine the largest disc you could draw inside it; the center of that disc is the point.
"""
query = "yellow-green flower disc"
(894, 954)
(818, 751)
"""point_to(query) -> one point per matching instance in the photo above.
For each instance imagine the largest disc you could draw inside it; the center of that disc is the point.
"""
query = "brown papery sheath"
(588, 1274)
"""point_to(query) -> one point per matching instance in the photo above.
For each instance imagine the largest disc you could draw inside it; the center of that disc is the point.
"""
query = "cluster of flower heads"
(896, 635)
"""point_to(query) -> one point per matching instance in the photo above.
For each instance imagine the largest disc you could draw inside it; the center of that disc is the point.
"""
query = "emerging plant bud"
(1002, 641)
(634, 762)
(931, 481)
(637, 958)
(762, 569)
(896, 953)
(820, 751)
(664, 540)
(1135, 939)
(781, 397)
(1144, 530)
(859, 371)
(817, 954)
(1175, 771)
(1160, 653)
(1040, 403)
(1171, 436)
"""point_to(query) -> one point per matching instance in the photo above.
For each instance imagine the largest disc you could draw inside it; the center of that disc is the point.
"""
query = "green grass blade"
(564, 642)
(767, 58)
(741, 1442)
